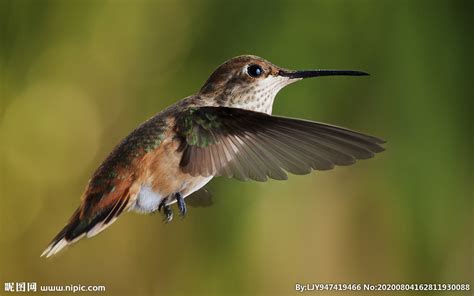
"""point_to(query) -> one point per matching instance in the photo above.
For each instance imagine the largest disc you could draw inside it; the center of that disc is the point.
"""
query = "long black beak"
(318, 73)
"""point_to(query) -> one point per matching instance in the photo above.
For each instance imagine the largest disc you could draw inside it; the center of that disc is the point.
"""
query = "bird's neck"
(253, 100)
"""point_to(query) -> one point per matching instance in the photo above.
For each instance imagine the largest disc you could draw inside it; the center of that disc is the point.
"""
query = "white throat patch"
(260, 96)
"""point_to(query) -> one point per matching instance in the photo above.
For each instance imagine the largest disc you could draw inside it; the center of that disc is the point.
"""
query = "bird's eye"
(254, 70)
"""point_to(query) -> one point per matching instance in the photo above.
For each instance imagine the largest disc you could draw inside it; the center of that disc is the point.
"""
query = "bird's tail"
(91, 217)
(79, 225)
(69, 234)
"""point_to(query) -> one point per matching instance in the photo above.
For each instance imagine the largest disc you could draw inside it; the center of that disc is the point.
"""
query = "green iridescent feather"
(196, 125)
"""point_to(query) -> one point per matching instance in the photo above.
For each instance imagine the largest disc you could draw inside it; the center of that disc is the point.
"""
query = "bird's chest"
(162, 177)
(149, 198)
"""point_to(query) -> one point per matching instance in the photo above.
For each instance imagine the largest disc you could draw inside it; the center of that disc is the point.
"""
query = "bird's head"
(250, 82)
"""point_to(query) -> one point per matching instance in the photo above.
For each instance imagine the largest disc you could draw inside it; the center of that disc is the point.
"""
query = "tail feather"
(81, 225)
(60, 240)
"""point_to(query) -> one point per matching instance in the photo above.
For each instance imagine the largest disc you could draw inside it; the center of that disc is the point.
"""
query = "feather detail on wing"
(251, 145)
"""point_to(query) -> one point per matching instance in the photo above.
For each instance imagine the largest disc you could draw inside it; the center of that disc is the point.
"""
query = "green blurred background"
(77, 76)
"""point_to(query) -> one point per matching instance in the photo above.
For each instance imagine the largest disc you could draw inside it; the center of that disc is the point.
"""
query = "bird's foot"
(166, 210)
(181, 204)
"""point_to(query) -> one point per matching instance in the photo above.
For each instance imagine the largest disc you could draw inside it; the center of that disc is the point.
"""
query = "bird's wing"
(246, 145)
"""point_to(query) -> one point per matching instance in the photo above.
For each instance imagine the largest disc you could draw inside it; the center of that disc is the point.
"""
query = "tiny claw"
(162, 204)
(181, 204)
(168, 213)
(166, 210)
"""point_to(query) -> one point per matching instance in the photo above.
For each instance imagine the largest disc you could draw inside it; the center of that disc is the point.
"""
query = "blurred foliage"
(77, 76)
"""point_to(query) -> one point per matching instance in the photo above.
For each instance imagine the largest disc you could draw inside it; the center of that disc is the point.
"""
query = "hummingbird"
(226, 129)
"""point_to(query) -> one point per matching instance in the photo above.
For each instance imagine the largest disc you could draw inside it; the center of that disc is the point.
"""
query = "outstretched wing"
(246, 145)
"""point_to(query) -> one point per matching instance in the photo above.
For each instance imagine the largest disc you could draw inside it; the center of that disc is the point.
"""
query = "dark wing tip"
(380, 140)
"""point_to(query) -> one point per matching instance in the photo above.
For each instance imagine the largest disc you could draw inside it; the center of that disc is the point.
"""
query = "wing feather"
(251, 145)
